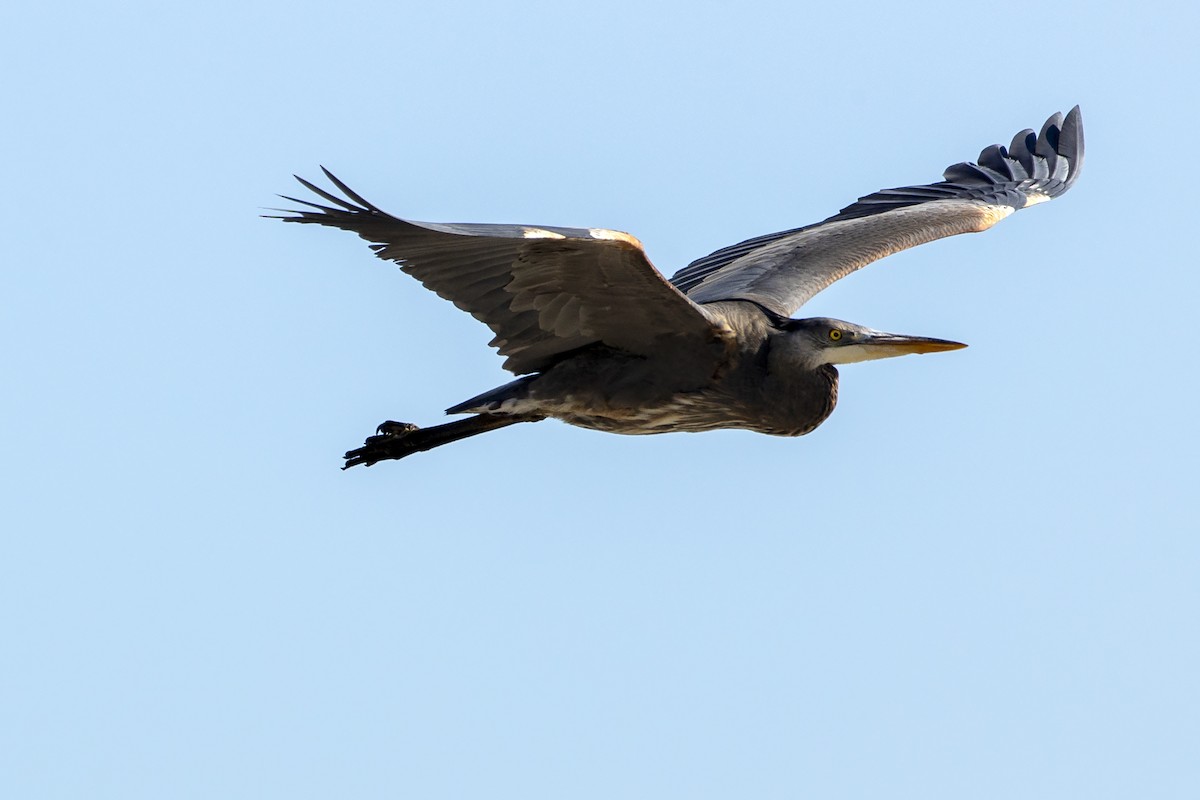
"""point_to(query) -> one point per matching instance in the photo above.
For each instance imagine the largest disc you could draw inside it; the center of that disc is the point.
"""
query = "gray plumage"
(603, 341)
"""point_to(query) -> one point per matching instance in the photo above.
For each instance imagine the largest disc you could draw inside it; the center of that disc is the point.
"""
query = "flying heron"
(600, 339)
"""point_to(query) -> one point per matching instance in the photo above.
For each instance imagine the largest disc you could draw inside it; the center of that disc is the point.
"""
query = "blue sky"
(977, 579)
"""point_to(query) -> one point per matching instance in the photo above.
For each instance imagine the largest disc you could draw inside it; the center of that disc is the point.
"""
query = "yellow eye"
(835, 334)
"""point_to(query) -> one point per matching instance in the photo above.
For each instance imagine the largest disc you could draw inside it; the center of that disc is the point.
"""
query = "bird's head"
(820, 340)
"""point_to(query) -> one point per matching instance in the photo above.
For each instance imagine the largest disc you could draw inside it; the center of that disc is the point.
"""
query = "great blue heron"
(603, 341)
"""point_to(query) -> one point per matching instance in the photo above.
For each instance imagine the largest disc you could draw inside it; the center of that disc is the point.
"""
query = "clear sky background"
(978, 579)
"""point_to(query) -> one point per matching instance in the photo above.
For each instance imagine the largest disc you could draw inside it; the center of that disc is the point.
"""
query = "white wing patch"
(991, 214)
(1033, 198)
(539, 233)
(619, 236)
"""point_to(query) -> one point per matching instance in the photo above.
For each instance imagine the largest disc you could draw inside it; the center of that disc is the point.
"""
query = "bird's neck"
(800, 399)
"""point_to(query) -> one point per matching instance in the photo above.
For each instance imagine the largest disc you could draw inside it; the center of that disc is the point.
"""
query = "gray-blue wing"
(544, 291)
(782, 271)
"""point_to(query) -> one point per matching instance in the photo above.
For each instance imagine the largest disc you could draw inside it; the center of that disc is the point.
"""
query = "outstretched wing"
(544, 291)
(782, 271)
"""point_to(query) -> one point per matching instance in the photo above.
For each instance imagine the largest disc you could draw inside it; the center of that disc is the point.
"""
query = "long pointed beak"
(893, 344)
(878, 344)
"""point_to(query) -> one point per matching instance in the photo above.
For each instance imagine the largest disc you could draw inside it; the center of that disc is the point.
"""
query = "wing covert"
(543, 290)
(782, 271)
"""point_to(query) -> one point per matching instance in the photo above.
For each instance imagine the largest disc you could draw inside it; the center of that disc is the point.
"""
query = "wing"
(782, 271)
(544, 291)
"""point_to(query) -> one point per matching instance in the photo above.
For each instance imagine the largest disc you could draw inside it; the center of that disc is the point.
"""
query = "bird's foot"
(390, 441)
(393, 428)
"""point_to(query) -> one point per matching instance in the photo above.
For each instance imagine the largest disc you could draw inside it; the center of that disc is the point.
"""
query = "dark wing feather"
(782, 271)
(544, 291)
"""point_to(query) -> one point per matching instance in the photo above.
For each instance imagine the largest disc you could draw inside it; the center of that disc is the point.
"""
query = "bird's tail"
(493, 399)
(393, 440)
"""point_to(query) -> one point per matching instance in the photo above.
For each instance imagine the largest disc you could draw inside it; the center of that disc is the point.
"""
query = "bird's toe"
(393, 428)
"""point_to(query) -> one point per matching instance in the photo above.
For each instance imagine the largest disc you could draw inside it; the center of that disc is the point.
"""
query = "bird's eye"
(835, 334)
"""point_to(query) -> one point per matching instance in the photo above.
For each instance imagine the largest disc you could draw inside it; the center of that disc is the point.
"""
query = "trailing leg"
(394, 440)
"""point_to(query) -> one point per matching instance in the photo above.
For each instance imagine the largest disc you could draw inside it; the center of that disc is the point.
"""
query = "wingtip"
(353, 195)
(1060, 144)
(1071, 131)
(1053, 122)
(1070, 142)
(279, 215)
(344, 205)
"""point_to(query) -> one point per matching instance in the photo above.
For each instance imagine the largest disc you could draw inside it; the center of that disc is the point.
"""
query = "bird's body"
(747, 380)
(603, 341)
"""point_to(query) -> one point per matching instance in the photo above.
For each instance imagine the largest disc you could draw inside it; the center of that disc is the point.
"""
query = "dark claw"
(388, 442)
(392, 428)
